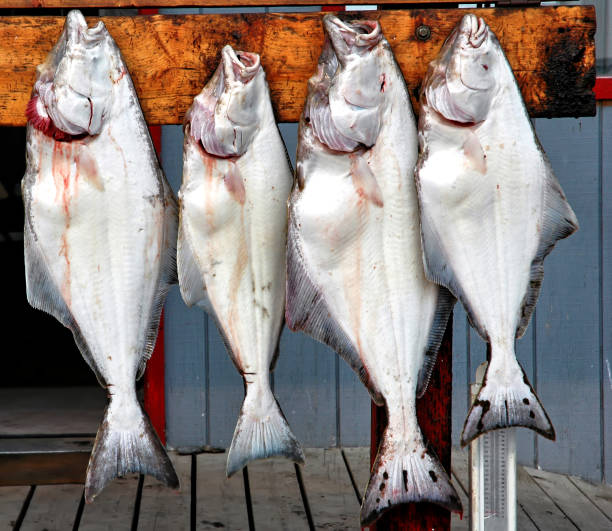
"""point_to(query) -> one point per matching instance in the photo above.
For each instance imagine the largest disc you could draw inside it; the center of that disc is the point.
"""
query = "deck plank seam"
(24, 508)
(553, 501)
(79, 513)
(351, 477)
(589, 498)
(528, 516)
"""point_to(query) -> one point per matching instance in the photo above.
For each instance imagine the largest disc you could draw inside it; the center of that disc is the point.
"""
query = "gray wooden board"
(184, 336)
(461, 377)
(567, 328)
(113, 508)
(599, 495)
(605, 117)
(275, 495)
(459, 470)
(572, 502)
(332, 498)
(220, 501)
(359, 461)
(161, 508)
(540, 508)
(355, 408)
(11, 501)
(226, 390)
(305, 385)
(53, 508)
(51, 410)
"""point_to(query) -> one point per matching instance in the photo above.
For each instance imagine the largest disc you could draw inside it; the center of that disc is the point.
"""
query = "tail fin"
(404, 477)
(505, 399)
(262, 431)
(126, 442)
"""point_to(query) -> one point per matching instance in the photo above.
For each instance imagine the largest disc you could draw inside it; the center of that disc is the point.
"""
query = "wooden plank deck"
(546, 500)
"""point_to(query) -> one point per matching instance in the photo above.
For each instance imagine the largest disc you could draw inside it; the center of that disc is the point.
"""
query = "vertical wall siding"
(566, 351)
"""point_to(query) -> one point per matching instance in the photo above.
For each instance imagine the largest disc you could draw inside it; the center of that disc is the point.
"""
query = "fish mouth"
(240, 66)
(353, 36)
(77, 30)
(474, 29)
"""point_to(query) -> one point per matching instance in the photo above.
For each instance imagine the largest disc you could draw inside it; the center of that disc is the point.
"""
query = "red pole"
(154, 381)
(434, 414)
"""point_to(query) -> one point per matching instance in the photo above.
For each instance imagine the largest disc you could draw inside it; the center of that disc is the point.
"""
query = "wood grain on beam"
(551, 50)
(29, 4)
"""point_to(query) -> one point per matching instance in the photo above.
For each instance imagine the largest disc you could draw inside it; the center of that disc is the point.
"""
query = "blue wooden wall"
(566, 352)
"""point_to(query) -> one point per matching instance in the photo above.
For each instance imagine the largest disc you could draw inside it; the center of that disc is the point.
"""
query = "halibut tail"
(506, 399)
(125, 445)
(414, 476)
(262, 431)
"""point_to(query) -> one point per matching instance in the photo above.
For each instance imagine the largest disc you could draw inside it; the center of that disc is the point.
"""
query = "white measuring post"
(492, 475)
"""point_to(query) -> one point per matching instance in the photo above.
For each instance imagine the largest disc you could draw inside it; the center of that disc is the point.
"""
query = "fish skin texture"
(232, 240)
(100, 233)
(355, 274)
(491, 211)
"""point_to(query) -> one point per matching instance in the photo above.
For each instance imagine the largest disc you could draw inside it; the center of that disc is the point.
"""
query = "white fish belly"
(366, 259)
(487, 220)
(239, 243)
(97, 213)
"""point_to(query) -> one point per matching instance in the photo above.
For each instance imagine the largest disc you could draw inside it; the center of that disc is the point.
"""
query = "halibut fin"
(43, 294)
(261, 431)
(307, 310)
(444, 307)
(122, 447)
(168, 274)
(502, 404)
(416, 476)
(558, 222)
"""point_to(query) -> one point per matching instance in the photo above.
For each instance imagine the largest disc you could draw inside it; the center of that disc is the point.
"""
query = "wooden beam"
(81, 4)
(551, 50)
(44, 461)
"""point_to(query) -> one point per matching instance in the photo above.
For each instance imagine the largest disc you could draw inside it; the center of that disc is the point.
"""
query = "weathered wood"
(162, 508)
(567, 325)
(43, 461)
(541, 509)
(605, 171)
(434, 416)
(113, 508)
(459, 468)
(573, 503)
(61, 410)
(599, 495)
(305, 385)
(17, 4)
(170, 57)
(11, 501)
(332, 499)
(52, 507)
(220, 501)
(275, 495)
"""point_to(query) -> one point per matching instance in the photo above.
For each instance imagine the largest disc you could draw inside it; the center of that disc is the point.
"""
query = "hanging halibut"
(355, 273)
(491, 210)
(232, 240)
(100, 233)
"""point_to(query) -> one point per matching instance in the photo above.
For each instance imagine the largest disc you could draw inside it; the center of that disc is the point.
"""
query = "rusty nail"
(423, 32)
